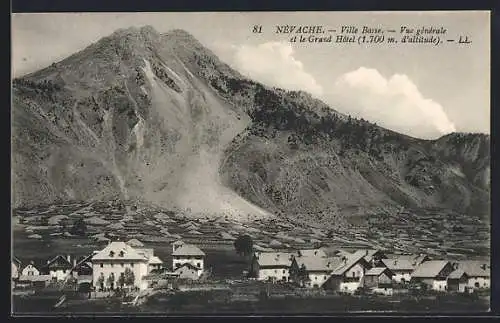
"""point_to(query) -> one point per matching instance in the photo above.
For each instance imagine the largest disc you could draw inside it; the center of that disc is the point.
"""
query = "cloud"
(274, 64)
(394, 103)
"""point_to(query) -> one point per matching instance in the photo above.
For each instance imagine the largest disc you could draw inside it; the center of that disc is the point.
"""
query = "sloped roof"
(376, 271)
(116, 247)
(457, 274)
(369, 253)
(351, 260)
(87, 260)
(135, 243)
(146, 252)
(59, 261)
(311, 253)
(155, 260)
(194, 232)
(398, 264)
(429, 269)
(279, 259)
(188, 250)
(317, 263)
(473, 268)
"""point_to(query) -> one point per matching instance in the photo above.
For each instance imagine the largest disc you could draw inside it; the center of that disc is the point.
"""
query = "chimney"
(483, 266)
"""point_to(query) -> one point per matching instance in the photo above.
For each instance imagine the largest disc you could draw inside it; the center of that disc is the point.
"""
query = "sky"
(421, 90)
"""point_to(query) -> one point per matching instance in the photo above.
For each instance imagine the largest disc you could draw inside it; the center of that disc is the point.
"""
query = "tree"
(121, 280)
(79, 228)
(128, 277)
(100, 280)
(302, 276)
(111, 279)
(243, 245)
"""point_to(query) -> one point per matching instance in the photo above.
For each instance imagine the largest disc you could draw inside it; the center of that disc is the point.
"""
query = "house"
(478, 273)
(187, 271)
(154, 263)
(312, 270)
(347, 277)
(31, 269)
(186, 253)
(401, 269)
(273, 266)
(457, 281)
(114, 260)
(82, 271)
(433, 274)
(15, 268)
(59, 267)
(379, 280)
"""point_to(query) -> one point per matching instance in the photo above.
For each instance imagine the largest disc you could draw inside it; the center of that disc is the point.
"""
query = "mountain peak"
(144, 30)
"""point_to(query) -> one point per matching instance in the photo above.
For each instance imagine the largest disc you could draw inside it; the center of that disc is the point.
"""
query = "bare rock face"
(157, 117)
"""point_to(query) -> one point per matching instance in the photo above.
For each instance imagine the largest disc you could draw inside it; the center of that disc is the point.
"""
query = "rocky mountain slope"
(157, 117)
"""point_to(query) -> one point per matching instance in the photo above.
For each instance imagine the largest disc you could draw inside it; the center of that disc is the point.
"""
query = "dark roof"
(59, 262)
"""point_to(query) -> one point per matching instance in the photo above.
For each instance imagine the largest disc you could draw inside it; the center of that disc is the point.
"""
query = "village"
(172, 254)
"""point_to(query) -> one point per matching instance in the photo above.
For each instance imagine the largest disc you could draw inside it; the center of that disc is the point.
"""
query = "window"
(102, 265)
(315, 277)
(64, 271)
(283, 271)
(198, 264)
(111, 253)
(275, 271)
(324, 277)
(131, 265)
(121, 253)
(353, 274)
(111, 265)
(122, 264)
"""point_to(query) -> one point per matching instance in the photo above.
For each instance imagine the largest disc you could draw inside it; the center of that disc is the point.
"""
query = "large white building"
(111, 262)
(187, 254)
